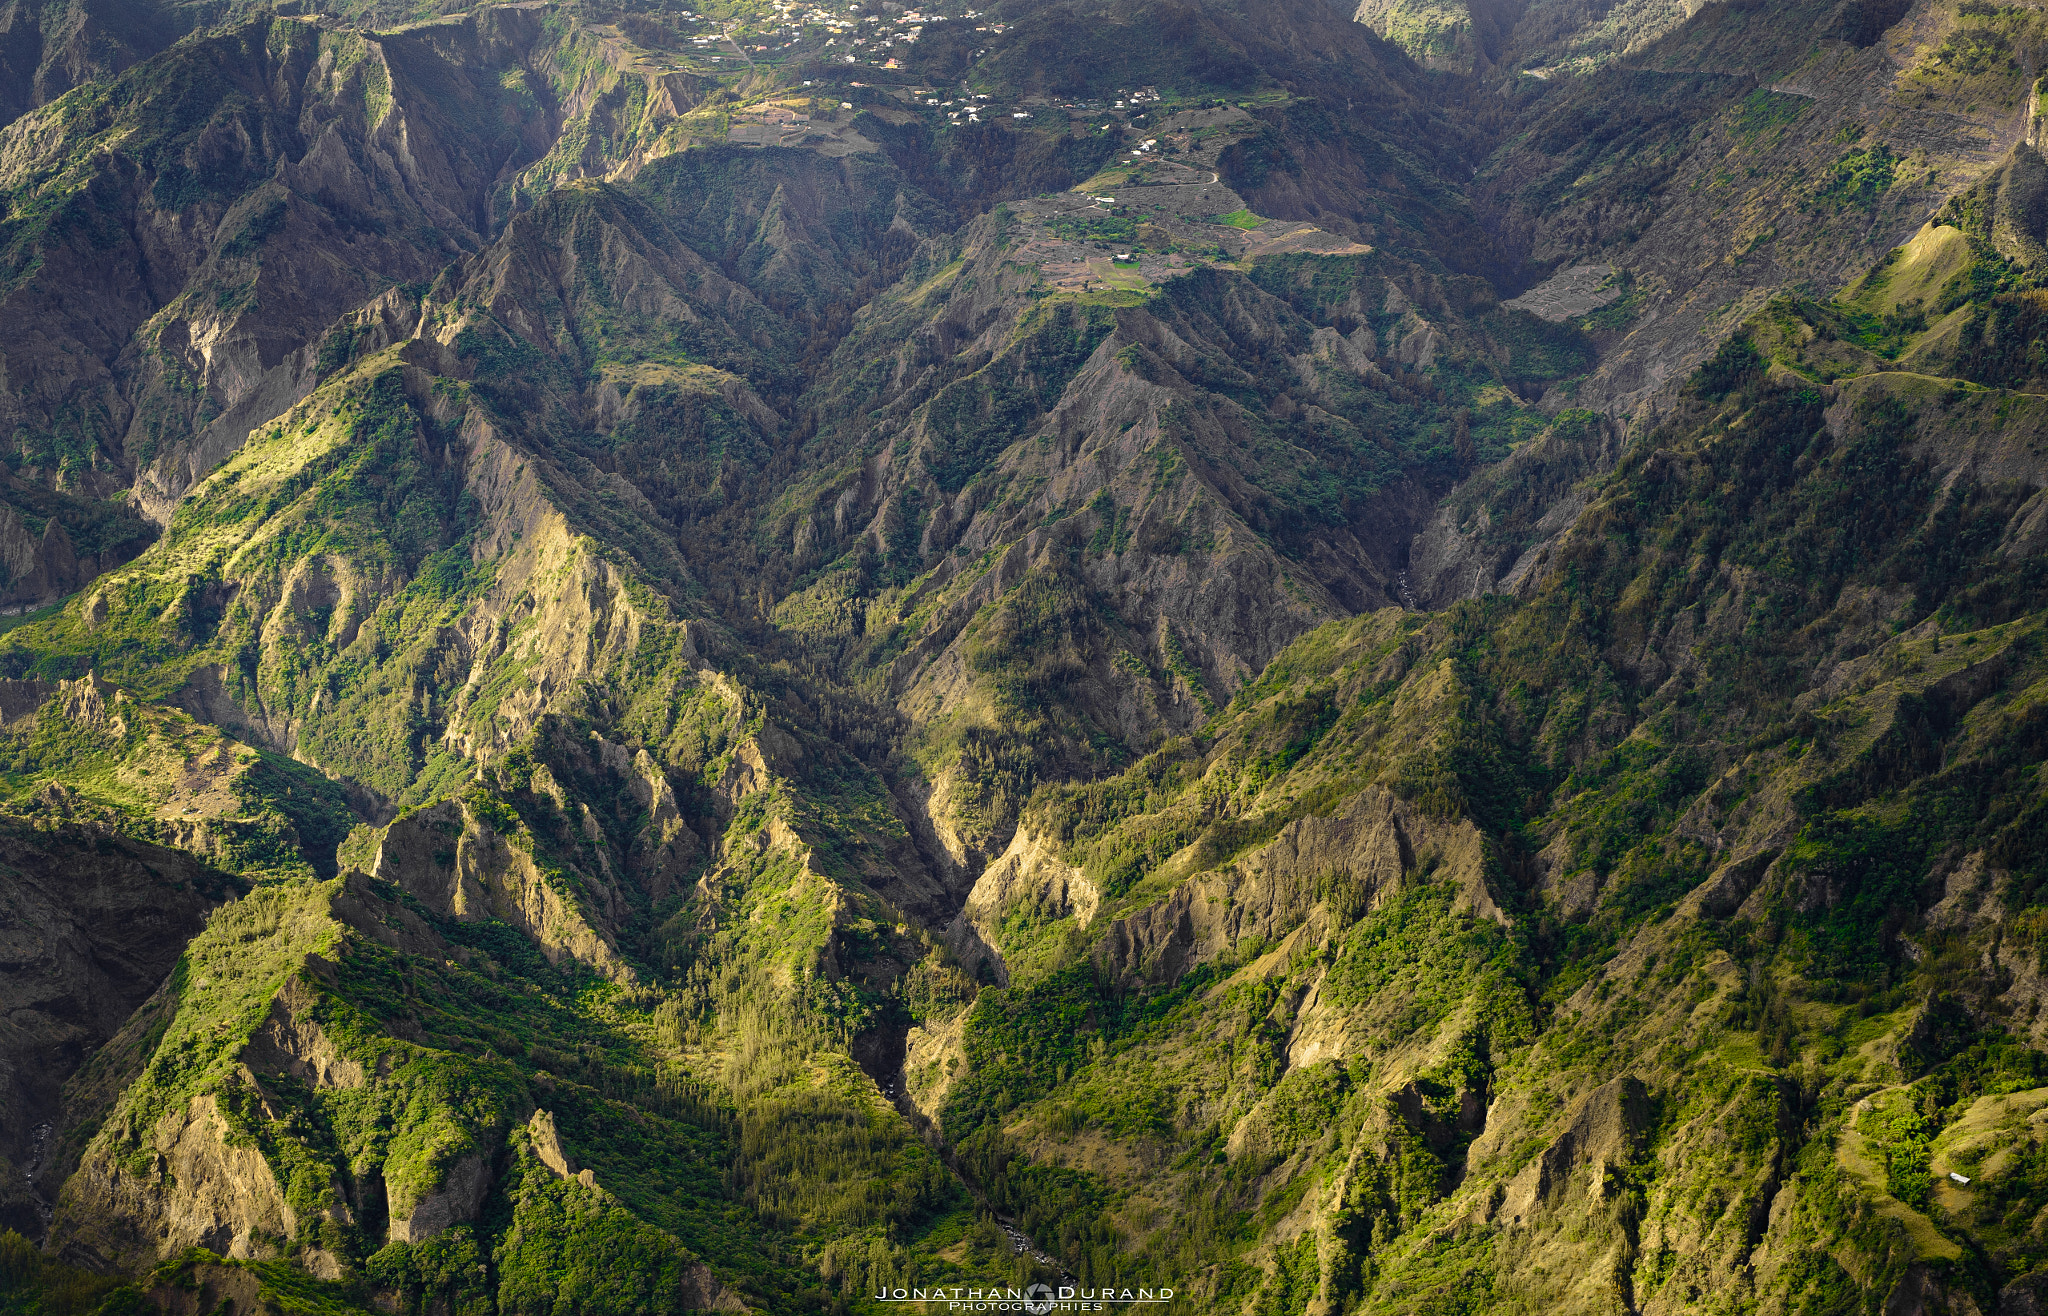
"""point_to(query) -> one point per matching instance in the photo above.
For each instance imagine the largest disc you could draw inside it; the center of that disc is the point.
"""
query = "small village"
(1158, 209)
(739, 39)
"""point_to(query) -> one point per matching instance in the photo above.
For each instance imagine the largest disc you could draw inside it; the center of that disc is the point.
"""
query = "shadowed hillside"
(1345, 662)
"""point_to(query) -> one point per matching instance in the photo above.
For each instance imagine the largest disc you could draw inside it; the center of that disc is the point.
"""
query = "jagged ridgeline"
(635, 703)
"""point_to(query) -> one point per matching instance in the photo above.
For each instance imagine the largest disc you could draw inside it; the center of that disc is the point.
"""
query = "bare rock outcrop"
(291, 1041)
(547, 1144)
(1029, 871)
(1605, 1131)
(459, 865)
(200, 1186)
(89, 926)
(453, 1201)
(1362, 852)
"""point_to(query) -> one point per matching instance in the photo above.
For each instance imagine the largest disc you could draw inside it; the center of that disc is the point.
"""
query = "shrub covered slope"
(686, 708)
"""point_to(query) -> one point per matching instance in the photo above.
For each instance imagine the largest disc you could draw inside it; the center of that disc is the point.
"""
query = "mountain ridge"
(763, 679)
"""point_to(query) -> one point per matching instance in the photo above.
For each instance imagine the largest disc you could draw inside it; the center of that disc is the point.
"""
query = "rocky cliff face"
(1759, 105)
(93, 923)
(262, 182)
(1467, 38)
(1677, 165)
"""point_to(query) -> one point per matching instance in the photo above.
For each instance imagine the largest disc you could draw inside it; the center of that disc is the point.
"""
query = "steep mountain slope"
(182, 238)
(93, 925)
(1549, 38)
(1700, 175)
(1632, 945)
(1346, 133)
(1737, 155)
(49, 49)
(794, 683)
(1128, 476)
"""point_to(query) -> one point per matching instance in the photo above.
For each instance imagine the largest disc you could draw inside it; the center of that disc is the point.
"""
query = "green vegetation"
(1859, 178)
(1498, 695)
(32, 1284)
(1618, 314)
(1116, 229)
(1899, 1133)
(767, 741)
(1764, 111)
(976, 418)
